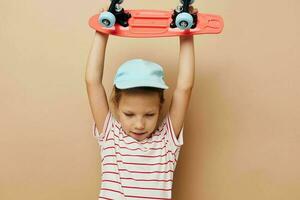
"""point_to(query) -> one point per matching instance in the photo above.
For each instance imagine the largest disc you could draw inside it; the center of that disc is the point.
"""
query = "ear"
(117, 112)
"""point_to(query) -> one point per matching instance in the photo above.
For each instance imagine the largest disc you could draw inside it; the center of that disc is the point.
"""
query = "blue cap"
(140, 73)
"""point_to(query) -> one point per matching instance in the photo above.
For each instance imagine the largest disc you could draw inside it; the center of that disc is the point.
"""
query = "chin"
(140, 137)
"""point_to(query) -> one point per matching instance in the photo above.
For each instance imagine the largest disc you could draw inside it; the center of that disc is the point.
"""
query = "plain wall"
(242, 134)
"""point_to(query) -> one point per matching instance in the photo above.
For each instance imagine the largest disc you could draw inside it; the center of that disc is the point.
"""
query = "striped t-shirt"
(135, 170)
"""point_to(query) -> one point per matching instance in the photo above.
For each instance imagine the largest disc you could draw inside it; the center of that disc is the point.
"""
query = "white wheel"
(107, 19)
(184, 21)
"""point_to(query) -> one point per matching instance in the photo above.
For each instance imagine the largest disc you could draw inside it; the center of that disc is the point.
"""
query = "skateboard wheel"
(191, 2)
(107, 19)
(184, 21)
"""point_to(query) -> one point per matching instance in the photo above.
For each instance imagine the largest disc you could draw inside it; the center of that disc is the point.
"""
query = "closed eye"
(128, 114)
(131, 114)
(150, 115)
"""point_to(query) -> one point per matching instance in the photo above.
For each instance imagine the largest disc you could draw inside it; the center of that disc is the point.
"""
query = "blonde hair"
(117, 94)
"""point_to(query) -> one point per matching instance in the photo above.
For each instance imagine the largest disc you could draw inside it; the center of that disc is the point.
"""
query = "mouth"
(138, 133)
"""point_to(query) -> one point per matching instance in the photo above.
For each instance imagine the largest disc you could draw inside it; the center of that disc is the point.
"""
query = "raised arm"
(185, 82)
(93, 79)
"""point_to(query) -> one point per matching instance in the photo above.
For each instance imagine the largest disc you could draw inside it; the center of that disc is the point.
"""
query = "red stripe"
(111, 181)
(143, 197)
(104, 198)
(104, 164)
(145, 156)
(133, 149)
(110, 173)
(108, 156)
(175, 154)
(108, 148)
(142, 172)
(136, 163)
(147, 164)
(142, 180)
(153, 172)
(138, 155)
(148, 180)
(142, 188)
(134, 142)
(112, 190)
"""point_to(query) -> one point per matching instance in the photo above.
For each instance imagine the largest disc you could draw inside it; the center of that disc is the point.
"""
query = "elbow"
(185, 88)
(90, 81)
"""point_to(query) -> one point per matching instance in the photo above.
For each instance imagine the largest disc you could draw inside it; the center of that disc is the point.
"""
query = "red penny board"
(156, 23)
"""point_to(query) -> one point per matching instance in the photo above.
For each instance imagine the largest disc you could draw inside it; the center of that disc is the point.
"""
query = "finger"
(193, 10)
(102, 9)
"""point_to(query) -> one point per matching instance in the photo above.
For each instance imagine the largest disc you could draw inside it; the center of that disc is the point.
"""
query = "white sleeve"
(102, 136)
(173, 142)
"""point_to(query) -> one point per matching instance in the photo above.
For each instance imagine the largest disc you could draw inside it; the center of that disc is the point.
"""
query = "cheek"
(153, 122)
(125, 123)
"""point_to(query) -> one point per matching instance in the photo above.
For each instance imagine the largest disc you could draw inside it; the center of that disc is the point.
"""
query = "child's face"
(138, 114)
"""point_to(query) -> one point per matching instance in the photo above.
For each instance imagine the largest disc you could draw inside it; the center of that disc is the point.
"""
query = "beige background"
(242, 130)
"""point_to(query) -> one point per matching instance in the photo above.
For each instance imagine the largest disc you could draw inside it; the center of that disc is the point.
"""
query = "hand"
(193, 10)
(103, 9)
(100, 35)
(186, 37)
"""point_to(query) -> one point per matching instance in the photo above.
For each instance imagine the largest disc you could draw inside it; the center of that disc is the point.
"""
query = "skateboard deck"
(156, 23)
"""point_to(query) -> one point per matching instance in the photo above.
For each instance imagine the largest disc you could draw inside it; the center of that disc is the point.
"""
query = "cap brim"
(127, 85)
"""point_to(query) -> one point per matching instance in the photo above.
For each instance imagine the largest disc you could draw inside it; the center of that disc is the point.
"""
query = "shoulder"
(166, 130)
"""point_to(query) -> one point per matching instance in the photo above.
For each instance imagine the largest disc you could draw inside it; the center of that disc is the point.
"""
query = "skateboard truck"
(114, 14)
(182, 18)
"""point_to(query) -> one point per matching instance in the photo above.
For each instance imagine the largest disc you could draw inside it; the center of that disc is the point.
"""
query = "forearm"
(95, 63)
(186, 63)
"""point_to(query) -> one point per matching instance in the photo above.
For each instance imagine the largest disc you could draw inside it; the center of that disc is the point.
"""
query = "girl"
(139, 154)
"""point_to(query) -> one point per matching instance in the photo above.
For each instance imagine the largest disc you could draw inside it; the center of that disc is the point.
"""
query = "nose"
(140, 124)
